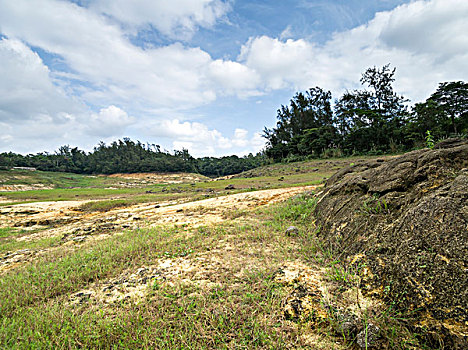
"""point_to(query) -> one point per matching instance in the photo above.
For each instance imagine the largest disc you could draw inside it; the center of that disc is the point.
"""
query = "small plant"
(374, 205)
(429, 140)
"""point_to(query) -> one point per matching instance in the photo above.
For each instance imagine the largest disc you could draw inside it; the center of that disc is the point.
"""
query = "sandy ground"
(12, 188)
(62, 219)
(160, 178)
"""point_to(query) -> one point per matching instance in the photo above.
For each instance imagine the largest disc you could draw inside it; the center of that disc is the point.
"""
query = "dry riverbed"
(43, 220)
(233, 271)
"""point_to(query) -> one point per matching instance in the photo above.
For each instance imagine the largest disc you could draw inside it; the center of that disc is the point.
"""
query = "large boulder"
(406, 219)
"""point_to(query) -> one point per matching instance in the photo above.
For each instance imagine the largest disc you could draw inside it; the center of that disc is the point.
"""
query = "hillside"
(262, 259)
(406, 221)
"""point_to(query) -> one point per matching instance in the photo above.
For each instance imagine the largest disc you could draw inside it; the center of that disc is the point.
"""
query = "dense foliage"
(127, 156)
(369, 121)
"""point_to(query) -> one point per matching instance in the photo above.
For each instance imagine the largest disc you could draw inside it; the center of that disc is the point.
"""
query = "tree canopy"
(127, 156)
(371, 120)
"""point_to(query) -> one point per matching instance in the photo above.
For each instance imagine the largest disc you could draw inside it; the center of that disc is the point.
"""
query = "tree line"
(127, 156)
(373, 120)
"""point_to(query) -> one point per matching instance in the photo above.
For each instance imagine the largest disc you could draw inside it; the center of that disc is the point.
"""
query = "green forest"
(127, 156)
(373, 120)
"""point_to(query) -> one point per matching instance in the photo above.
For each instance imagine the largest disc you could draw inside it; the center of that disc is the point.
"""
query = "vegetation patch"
(104, 206)
(256, 278)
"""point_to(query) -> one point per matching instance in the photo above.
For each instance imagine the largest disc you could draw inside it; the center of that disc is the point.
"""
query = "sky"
(205, 75)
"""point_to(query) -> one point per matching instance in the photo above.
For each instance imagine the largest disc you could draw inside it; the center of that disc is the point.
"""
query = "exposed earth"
(64, 219)
(376, 258)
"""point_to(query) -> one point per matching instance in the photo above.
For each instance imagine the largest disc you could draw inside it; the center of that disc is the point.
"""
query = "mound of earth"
(406, 219)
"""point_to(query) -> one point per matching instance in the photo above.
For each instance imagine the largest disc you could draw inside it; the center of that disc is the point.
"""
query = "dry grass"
(235, 284)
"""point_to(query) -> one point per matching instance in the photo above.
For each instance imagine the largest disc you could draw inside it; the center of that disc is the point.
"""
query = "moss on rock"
(408, 217)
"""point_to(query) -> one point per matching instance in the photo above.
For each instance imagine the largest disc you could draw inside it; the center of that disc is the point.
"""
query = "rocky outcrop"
(406, 219)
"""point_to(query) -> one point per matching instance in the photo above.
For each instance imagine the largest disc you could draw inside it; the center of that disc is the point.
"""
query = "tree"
(426, 116)
(452, 98)
(307, 111)
(371, 119)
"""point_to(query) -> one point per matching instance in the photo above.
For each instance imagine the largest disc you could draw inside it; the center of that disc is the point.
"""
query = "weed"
(429, 140)
(374, 205)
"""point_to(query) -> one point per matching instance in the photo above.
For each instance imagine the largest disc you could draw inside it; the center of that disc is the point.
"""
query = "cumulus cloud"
(436, 27)
(425, 40)
(279, 63)
(173, 18)
(26, 87)
(177, 76)
(102, 68)
(100, 53)
(234, 77)
(200, 140)
(109, 121)
(35, 113)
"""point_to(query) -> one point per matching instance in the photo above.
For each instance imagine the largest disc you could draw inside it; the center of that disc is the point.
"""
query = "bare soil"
(63, 219)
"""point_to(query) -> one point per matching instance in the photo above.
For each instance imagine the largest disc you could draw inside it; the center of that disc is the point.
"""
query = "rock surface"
(406, 219)
(367, 338)
(292, 231)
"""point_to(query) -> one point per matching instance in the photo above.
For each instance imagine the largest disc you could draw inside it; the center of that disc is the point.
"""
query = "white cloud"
(200, 140)
(240, 138)
(173, 18)
(425, 40)
(26, 88)
(436, 27)
(101, 54)
(234, 77)
(279, 63)
(36, 114)
(109, 121)
(179, 77)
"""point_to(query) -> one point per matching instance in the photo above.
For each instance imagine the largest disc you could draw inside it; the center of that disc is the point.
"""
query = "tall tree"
(307, 111)
(452, 98)
(372, 119)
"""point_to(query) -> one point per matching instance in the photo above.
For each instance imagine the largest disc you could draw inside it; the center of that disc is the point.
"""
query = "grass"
(13, 245)
(105, 205)
(9, 243)
(67, 186)
(174, 316)
(55, 179)
(242, 308)
(9, 231)
(374, 205)
(230, 300)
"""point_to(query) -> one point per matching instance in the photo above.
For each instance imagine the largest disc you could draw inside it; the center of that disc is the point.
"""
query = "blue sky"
(207, 75)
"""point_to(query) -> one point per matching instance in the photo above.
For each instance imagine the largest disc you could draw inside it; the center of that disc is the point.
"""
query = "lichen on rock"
(407, 217)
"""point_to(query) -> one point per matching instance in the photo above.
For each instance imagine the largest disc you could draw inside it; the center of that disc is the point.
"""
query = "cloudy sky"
(206, 75)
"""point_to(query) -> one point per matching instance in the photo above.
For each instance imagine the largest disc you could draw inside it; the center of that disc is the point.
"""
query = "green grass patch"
(12, 245)
(105, 205)
(10, 231)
